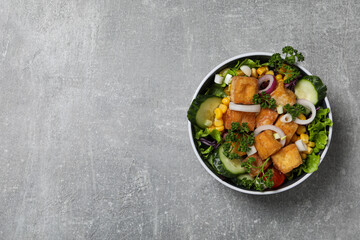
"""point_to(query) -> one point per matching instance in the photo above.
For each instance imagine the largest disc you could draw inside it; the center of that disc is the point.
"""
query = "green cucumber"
(201, 111)
(243, 180)
(227, 167)
(311, 88)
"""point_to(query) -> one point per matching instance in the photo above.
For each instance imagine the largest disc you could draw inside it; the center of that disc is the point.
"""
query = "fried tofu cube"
(287, 158)
(266, 117)
(240, 117)
(243, 89)
(266, 144)
(283, 96)
(288, 128)
(257, 163)
(240, 153)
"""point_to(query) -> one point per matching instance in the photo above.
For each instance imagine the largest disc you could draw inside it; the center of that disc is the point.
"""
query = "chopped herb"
(265, 101)
(295, 110)
(286, 66)
(248, 164)
(263, 179)
(238, 139)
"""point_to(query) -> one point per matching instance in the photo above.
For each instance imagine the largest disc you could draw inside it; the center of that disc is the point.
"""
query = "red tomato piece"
(278, 178)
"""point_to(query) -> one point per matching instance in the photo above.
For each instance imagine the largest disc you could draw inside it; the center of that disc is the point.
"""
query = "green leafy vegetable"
(201, 133)
(216, 90)
(206, 151)
(311, 163)
(285, 66)
(265, 101)
(250, 63)
(216, 134)
(295, 110)
(239, 138)
(319, 134)
(318, 129)
(263, 179)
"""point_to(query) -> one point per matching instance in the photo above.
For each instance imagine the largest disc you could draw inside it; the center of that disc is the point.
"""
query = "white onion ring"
(307, 104)
(286, 118)
(301, 145)
(272, 83)
(273, 128)
(244, 108)
(252, 150)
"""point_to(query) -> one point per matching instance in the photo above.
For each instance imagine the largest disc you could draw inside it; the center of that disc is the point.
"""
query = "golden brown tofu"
(243, 89)
(240, 117)
(288, 128)
(237, 151)
(266, 117)
(266, 144)
(257, 163)
(283, 96)
(287, 158)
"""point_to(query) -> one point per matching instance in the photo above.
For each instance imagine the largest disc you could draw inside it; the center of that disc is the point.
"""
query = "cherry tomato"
(278, 178)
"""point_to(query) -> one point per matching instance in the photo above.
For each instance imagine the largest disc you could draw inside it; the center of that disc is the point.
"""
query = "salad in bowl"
(259, 123)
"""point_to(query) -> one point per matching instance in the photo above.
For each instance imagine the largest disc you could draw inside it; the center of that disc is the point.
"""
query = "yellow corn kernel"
(211, 128)
(266, 68)
(261, 70)
(254, 73)
(229, 87)
(239, 73)
(303, 155)
(294, 138)
(218, 122)
(311, 144)
(220, 129)
(225, 101)
(278, 77)
(302, 116)
(223, 108)
(301, 129)
(270, 72)
(218, 113)
(309, 150)
(227, 90)
(304, 137)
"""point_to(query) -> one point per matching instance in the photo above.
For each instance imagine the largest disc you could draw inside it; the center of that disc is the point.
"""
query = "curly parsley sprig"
(239, 138)
(286, 66)
(264, 100)
(263, 179)
(295, 110)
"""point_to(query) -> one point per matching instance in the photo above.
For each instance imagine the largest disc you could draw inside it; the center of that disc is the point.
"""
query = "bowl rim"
(307, 175)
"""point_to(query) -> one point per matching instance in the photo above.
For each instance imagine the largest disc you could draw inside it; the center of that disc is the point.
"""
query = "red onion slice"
(286, 118)
(273, 128)
(244, 108)
(309, 105)
(272, 83)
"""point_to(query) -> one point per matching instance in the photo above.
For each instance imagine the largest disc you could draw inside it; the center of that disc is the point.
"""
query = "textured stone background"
(93, 128)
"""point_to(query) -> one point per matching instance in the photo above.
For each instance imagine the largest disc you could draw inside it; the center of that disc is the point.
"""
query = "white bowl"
(208, 80)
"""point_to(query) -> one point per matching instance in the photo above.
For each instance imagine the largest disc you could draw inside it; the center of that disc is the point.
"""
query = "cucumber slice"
(244, 180)
(202, 109)
(227, 167)
(311, 88)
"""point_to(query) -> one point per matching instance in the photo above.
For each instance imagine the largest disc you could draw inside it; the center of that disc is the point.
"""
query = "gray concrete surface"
(93, 128)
